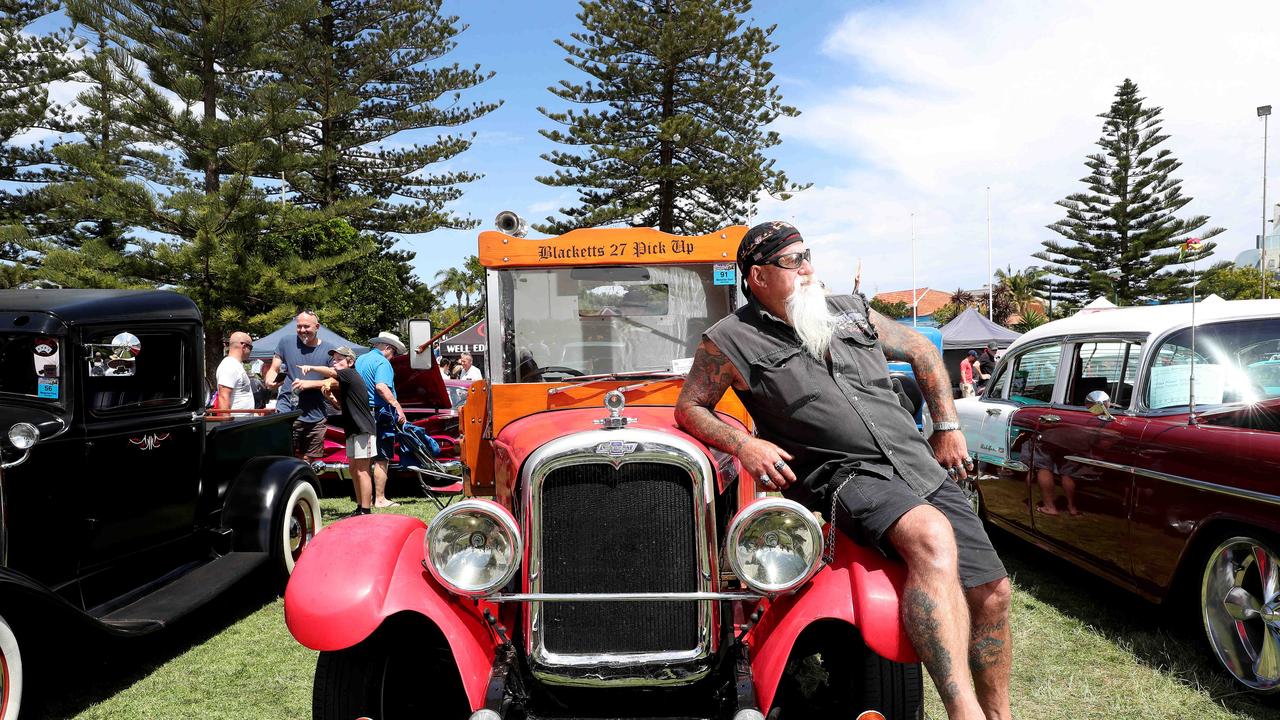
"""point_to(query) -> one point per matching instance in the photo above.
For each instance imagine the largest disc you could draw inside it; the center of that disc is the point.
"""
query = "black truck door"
(143, 447)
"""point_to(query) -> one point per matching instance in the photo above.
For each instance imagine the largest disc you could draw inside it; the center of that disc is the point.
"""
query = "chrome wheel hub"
(1240, 604)
(302, 527)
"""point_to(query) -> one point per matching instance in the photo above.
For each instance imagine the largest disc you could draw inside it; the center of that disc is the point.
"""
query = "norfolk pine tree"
(196, 191)
(29, 63)
(1126, 221)
(681, 92)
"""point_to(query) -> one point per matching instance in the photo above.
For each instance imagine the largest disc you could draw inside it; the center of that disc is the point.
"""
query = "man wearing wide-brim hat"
(379, 377)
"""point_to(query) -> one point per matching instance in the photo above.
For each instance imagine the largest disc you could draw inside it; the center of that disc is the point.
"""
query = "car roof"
(78, 306)
(1153, 319)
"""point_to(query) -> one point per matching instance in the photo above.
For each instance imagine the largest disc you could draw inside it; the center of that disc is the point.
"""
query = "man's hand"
(766, 462)
(952, 452)
(401, 416)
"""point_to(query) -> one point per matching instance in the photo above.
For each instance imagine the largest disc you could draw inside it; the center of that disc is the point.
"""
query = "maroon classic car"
(1146, 449)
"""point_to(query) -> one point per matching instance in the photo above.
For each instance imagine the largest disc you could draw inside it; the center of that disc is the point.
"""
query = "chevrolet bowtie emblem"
(616, 448)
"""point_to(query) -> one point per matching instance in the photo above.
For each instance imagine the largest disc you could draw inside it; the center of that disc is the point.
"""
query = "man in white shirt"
(235, 392)
(470, 372)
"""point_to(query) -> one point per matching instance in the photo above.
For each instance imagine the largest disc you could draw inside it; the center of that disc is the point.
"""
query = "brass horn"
(511, 224)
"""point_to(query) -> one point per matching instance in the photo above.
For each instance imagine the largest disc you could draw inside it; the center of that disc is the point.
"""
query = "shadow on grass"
(89, 669)
(1166, 638)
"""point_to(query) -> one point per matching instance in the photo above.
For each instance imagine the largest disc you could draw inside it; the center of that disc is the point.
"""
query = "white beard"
(813, 322)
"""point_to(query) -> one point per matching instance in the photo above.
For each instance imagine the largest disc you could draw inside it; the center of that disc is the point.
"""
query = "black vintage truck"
(122, 508)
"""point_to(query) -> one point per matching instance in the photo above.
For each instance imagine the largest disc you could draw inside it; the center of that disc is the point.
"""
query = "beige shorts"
(361, 447)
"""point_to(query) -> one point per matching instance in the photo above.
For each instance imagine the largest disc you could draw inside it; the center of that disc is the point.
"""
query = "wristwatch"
(946, 425)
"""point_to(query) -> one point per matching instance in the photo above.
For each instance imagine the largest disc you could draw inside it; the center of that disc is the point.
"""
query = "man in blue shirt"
(380, 379)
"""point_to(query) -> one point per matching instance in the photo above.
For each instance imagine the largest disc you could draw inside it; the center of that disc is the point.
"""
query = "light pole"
(914, 300)
(991, 297)
(1264, 112)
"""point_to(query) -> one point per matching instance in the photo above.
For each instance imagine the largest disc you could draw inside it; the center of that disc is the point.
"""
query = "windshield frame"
(501, 360)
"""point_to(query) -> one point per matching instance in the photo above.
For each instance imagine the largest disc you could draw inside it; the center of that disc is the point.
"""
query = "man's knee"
(924, 538)
(990, 600)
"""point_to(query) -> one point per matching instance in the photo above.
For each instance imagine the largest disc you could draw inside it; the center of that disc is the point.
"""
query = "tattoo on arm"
(904, 344)
(711, 375)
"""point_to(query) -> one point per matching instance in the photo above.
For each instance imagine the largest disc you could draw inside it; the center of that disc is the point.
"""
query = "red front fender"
(362, 570)
(861, 588)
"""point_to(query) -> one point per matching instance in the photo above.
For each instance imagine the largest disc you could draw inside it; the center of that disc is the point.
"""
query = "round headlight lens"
(775, 545)
(23, 435)
(473, 548)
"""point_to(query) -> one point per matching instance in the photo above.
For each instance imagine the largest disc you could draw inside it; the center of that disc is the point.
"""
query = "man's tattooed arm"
(711, 375)
(904, 344)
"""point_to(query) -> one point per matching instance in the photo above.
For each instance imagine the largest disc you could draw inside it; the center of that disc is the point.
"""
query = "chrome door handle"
(994, 411)
(1049, 418)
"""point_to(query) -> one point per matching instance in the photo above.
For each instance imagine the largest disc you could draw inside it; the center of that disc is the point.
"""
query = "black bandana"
(760, 243)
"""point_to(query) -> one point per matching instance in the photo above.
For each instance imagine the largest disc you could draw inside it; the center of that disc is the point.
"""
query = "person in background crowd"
(966, 374)
(291, 354)
(984, 366)
(443, 365)
(469, 372)
(380, 379)
(235, 391)
(344, 389)
(831, 435)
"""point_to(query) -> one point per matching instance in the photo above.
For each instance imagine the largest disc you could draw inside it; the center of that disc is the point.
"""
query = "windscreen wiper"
(651, 376)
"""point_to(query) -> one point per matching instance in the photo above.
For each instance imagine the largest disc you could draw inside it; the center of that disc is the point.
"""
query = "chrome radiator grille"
(612, 530)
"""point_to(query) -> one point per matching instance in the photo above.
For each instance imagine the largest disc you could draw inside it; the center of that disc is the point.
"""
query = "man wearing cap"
(985, 365)
(375, 369)
(831, 435)
(343, 387)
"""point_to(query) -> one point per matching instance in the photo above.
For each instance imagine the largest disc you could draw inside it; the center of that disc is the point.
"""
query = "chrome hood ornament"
(614, 400)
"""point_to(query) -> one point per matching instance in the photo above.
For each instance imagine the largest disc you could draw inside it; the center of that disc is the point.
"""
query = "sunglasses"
(790, 261)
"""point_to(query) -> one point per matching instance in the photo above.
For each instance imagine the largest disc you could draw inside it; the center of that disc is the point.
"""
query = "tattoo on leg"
(985, 646)
(920, 613)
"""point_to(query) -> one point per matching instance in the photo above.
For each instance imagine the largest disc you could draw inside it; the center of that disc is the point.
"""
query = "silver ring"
(779, 465)
(764, 478)
(968, 462)
(952, 472)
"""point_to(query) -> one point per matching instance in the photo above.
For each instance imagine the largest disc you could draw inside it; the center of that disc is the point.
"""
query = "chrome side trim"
(1239, 493)
(680, 666)
(622, 597)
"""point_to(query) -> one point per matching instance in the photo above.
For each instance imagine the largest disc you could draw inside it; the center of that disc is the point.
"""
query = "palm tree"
(962, 298)
(1024, 286)
(455, 281)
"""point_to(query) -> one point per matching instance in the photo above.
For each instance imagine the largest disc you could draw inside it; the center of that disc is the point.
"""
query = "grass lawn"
(1081, 650)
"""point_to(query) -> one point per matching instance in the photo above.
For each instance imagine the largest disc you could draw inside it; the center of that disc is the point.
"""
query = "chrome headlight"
(775, 545)
(473, 548)
(23, 435)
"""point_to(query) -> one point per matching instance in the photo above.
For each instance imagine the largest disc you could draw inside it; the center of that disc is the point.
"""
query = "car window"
(1233, 361)
(1034, 374)
(156, 380)
(996, 389)
(1109, 366)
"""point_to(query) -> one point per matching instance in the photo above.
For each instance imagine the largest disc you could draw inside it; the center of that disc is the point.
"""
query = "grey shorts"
(868, 505)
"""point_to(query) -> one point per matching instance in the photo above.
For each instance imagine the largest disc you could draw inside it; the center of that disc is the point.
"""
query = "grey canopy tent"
(265, 347)
(972, 330)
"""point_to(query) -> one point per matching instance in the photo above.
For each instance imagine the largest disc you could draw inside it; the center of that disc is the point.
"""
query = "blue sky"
(917, 108)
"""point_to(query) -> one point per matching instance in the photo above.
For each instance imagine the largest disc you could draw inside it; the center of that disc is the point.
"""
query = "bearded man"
(831, 435)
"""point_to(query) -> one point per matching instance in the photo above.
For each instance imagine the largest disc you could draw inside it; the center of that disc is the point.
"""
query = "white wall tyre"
(1240, 607)
(10, 673)
(299, 521)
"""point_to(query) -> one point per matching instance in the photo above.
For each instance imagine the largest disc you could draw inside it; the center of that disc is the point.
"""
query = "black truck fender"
(257, 507)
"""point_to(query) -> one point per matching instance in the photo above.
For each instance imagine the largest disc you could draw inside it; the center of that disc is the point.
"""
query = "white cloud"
(951, 98)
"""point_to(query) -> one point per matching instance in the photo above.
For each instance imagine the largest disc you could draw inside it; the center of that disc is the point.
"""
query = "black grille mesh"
(610, 531)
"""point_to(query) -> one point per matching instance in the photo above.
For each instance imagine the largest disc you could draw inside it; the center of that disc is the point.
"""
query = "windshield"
(566, 322)
(31, 366)
(1234, 362)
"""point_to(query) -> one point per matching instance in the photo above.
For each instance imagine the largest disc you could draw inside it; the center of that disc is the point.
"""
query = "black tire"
(296, 522)
(833, 674)
(398, 673)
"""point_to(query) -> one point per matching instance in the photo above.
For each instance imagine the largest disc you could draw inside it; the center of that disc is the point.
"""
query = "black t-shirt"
(355, 418)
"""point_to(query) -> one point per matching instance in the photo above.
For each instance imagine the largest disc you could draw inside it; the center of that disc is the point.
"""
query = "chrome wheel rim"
(302, 527)
(1240, 603)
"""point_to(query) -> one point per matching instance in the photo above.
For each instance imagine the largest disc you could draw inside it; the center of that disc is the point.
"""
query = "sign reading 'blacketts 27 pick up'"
(597, 247)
